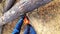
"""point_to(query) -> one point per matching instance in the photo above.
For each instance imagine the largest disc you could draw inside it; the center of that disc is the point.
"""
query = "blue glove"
(18, 26)
(29, 30)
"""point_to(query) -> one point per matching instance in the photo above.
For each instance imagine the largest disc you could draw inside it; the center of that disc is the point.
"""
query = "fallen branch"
(20, 8)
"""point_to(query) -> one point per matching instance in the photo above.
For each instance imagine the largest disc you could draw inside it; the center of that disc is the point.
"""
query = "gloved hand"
(18, 26)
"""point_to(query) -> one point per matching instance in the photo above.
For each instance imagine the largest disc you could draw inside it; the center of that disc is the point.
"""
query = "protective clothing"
(28, 30)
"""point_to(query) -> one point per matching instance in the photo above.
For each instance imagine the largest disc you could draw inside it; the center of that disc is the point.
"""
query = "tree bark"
(20, 8)
(8, 5)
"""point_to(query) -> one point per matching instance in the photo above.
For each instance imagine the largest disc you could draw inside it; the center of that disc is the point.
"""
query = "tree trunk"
(20, 8)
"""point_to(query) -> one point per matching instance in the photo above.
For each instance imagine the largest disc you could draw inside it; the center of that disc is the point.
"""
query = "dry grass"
(45, 20)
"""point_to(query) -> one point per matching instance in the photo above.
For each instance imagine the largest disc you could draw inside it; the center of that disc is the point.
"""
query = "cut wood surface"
(45, 20)
(20, 8)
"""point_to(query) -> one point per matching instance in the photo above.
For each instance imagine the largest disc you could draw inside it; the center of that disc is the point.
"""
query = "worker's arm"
(29, 30)
(32, 30)
(18, 26)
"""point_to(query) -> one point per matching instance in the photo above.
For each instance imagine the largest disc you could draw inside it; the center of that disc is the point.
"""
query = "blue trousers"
(28, 30)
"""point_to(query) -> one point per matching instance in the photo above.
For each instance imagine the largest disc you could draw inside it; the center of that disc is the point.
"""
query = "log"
(8, 5)
(23, 6)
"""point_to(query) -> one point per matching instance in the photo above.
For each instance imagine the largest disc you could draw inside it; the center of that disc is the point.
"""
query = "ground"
(45, 19)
